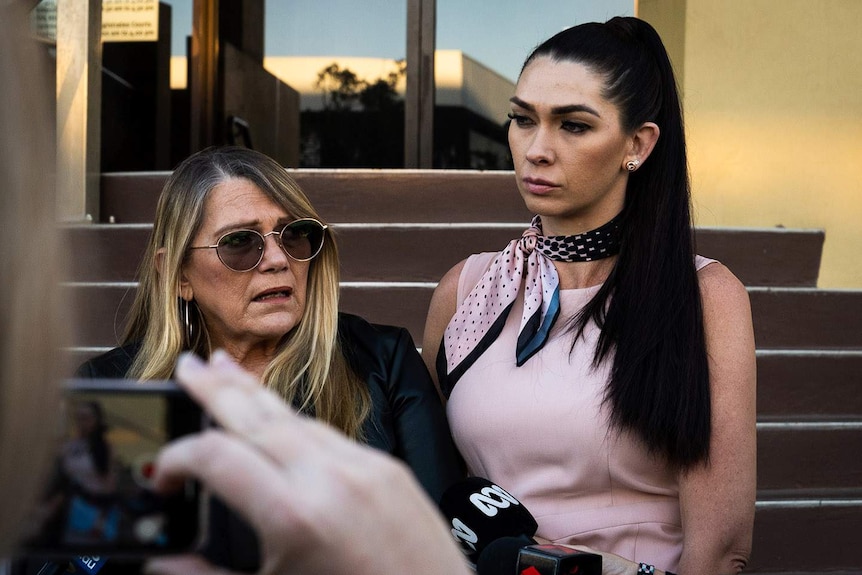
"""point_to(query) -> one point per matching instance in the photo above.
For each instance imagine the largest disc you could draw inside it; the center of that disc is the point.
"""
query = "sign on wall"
(122, 20)
(130, 20)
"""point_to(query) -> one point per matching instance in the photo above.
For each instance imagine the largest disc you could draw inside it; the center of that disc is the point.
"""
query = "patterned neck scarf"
(525, 265)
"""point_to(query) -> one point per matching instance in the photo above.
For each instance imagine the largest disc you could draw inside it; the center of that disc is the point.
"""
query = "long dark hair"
(649, 309)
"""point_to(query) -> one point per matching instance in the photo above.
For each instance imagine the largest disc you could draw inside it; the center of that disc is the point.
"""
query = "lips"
(279, 292)
(538, 185)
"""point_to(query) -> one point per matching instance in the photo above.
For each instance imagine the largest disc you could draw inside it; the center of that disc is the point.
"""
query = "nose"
(540, 149)
(274, 258)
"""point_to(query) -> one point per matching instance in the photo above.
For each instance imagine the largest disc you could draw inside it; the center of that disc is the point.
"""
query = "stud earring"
(632, 165)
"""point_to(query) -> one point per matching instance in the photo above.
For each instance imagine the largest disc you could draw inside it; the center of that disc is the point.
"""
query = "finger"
(231, 469)
(182, 565)
(228, 393)
(241, 405)
(310, 443)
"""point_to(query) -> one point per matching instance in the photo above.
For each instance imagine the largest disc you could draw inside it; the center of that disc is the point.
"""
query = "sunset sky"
(497, 33)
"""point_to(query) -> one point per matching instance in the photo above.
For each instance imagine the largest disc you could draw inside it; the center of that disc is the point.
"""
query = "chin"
(271, 327)
(536, 202)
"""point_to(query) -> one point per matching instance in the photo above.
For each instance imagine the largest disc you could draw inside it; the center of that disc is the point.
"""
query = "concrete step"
(795, 319)
(806, 318)
(809, 385)
(424, 252)
(807, 537)
(348, 195)
(375, 198)
(806, 459)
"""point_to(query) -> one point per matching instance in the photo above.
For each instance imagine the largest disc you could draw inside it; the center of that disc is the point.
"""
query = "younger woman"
(597, 368)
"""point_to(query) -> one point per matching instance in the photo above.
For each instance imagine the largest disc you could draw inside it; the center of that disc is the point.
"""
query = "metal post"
(419, 100)
(79, 108)
(204, 73)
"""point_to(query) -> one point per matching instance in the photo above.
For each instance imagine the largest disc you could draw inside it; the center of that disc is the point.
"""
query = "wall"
(773, 99)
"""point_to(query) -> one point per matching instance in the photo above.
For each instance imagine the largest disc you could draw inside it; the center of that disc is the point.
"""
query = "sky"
(498, 33)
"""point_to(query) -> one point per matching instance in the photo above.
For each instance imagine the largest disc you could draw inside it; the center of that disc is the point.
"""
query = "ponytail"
(649, 309)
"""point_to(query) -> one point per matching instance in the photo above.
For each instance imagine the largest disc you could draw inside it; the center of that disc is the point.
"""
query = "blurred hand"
(319, 502)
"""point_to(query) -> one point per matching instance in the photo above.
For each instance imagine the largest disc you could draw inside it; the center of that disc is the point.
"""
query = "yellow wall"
(773, 100)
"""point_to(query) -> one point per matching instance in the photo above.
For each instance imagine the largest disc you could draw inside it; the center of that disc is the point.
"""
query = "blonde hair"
(32, 326)
(310, 369)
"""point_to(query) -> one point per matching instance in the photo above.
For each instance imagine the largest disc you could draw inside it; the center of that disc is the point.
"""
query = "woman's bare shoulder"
(719, 285)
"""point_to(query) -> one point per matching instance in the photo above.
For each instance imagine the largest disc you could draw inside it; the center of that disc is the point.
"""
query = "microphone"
(481, 512)
(500, 555)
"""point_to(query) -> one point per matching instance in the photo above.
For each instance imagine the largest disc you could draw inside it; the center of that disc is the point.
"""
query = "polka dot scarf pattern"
(525, 265)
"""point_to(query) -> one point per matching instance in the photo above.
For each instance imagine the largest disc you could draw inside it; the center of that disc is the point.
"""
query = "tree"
(381, 94)
(340, 87)
(361, 124)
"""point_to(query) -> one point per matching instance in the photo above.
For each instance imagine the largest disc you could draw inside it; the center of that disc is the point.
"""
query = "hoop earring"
(632, 165)
(188, 326)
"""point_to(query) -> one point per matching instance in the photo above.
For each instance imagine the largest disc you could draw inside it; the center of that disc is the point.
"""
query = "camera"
(98, 499)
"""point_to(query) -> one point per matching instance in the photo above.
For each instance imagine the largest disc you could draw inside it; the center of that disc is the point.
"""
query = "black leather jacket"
(407, 421)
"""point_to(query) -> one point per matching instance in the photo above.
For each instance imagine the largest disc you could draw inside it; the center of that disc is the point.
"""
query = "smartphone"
(98, 500)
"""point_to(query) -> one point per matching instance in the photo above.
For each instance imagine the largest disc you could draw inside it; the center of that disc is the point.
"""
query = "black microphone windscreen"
(480, 512)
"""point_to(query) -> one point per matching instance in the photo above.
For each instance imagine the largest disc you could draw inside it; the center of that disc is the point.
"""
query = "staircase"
(399, 231)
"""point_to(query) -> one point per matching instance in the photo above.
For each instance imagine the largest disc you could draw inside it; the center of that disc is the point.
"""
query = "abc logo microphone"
(481, 512)
(496, 533)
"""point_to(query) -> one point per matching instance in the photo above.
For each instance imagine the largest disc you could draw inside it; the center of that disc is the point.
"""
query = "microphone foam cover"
(480, 512)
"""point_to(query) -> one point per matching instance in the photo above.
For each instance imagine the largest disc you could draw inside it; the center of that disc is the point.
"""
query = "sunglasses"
(242, 250)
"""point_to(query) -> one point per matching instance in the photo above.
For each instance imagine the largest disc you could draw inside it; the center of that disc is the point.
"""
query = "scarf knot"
(525, 268)
(530, 237)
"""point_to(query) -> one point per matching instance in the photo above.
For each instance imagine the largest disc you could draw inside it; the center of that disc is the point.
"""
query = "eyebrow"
(558, 110)
(250, 225)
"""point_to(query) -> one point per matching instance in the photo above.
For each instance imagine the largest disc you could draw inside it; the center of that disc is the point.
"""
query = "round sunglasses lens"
(302, 240)
(240, 251)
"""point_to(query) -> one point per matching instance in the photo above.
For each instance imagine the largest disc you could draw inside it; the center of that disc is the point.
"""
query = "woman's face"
(244, 309)
(86, 420)
(568, 147)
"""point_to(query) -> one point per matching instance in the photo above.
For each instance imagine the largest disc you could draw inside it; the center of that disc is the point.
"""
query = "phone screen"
(98, 498)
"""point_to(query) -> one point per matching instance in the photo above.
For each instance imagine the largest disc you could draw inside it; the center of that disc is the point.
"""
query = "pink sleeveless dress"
(540, 431)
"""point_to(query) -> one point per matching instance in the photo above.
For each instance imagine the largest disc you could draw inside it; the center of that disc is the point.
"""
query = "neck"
(253, 358)
(589, 247)
(572, 225)
(579, 275)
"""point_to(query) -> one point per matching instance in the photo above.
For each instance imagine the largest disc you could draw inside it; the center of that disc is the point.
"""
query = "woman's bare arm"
(717, 498)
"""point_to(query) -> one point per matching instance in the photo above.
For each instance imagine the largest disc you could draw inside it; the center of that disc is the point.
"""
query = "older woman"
(239, 260)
